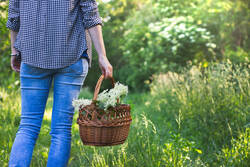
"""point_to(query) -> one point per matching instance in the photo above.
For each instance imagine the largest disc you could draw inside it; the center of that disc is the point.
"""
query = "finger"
(111, 72)
(109, 75)
(18, 69)
(15, 68)
(12, 66)
(106, 75)
(103, 72)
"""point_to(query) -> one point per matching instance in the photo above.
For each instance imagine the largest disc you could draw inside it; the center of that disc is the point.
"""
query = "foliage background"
(187, 67)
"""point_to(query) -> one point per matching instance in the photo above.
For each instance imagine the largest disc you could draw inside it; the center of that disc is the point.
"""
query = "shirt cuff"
(13, 24)
(87, 26)
(93, 21)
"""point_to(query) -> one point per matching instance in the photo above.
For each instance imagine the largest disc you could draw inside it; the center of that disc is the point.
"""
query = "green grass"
(181, 122)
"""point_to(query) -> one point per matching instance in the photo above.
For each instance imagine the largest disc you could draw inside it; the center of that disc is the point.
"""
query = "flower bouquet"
(104, 120)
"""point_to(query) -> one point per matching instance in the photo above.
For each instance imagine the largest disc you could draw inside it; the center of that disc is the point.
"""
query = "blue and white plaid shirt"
(51, 33)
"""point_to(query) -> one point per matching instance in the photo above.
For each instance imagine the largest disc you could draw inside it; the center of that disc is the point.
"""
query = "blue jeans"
(35, 86)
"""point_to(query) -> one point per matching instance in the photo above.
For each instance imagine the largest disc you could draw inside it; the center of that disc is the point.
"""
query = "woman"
(49, 46)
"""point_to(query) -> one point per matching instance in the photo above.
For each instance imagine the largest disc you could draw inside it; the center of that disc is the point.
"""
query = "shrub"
(209, 106)
(237, 56)
(154, 43)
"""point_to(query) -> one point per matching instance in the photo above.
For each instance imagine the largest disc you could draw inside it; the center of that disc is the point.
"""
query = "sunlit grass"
(48, 110)
(165, 127)
(3, 14)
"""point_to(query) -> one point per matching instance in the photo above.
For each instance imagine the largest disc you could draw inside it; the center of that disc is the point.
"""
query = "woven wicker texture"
(98, 127)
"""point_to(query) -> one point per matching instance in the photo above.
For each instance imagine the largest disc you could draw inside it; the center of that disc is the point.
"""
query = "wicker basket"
(98, 127)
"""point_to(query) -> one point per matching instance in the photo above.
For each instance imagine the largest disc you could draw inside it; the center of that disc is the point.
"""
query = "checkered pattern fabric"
(51, 34)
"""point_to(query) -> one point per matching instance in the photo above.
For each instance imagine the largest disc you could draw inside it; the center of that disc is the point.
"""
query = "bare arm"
(93, 23)
(13, 35)
(97, 38)
(14, 62)
(13, 24)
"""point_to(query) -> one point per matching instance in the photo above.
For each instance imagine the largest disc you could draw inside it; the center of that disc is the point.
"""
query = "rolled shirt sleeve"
(91, 16)
(13, 21)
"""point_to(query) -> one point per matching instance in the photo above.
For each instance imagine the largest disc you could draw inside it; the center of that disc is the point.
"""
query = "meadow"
(190, 119)
(186, 64)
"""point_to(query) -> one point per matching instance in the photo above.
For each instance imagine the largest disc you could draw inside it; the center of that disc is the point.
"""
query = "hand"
(15, 63)
(106, 67)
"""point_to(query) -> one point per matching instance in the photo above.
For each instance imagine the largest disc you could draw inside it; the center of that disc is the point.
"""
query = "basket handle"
(98, 86)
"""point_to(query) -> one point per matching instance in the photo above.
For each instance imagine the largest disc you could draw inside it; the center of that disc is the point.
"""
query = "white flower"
(181, 36)
(211, 45)
(107, 98)
(77, 102)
